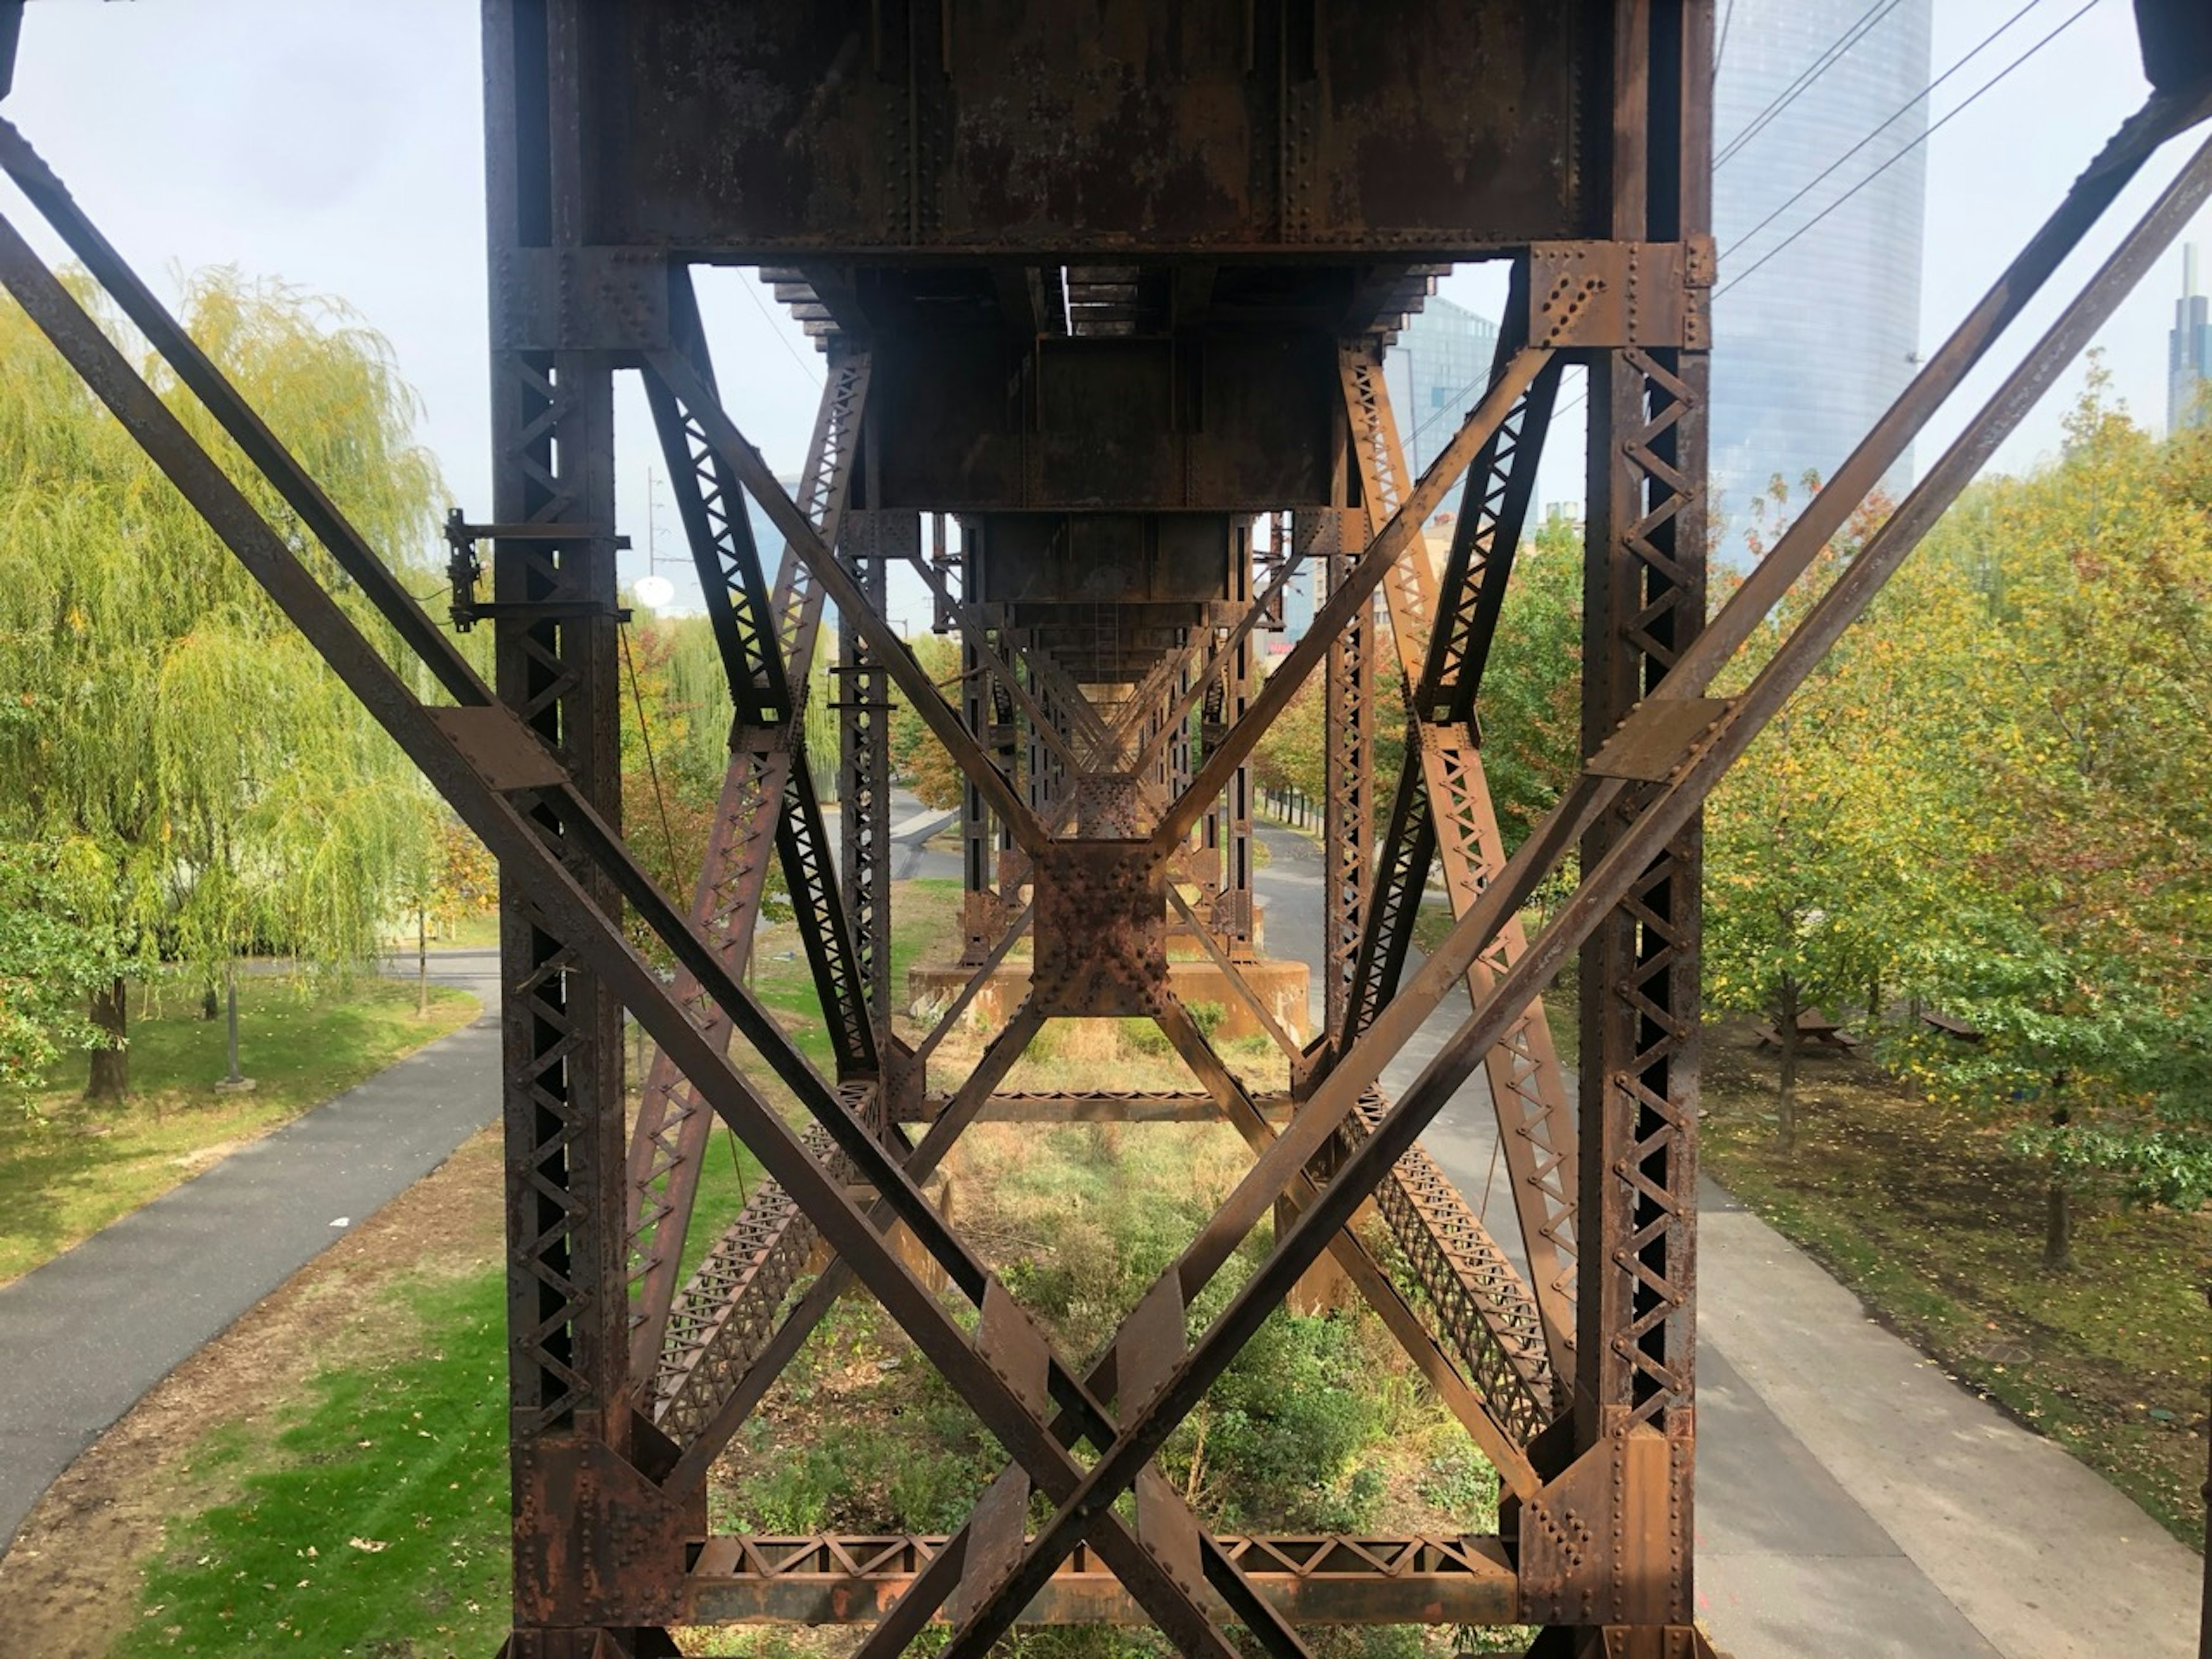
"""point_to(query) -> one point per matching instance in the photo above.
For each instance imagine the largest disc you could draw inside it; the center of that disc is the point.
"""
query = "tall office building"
(1814, 337)
(1435, 370)
(2188, 351)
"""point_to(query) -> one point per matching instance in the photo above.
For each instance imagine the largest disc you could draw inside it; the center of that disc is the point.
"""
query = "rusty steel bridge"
(1104, 294)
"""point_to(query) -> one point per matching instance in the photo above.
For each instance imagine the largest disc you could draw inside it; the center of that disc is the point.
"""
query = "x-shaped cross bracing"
(1660, 764)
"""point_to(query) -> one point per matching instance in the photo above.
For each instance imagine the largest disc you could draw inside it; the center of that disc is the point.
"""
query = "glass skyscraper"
(1435, 370)
(1812, 344)
(2188, 350)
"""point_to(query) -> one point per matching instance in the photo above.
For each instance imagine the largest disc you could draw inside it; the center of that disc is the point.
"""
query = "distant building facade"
(1435, 370)
(2188, 350)
(1810, 348)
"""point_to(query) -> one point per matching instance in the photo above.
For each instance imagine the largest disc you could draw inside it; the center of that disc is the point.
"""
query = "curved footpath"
(1852, 1500)
(83, 1336)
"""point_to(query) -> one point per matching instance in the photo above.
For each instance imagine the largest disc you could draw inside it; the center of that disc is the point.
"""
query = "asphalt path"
(84, 1336)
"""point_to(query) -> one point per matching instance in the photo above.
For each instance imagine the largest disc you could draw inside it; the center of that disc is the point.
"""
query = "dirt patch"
(69, 1584)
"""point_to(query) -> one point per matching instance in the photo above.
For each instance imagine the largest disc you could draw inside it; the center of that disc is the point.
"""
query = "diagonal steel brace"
(1690, 766)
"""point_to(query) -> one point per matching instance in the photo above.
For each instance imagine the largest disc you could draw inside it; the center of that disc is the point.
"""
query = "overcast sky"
(336, 146)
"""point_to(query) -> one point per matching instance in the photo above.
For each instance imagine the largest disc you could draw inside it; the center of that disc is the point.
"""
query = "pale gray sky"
(336, 146)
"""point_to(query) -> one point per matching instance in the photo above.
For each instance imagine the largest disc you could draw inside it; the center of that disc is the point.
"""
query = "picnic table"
(1948, 1026)
(1814, 1028)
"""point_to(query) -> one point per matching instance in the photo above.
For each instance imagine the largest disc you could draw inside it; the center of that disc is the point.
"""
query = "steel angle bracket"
(1616, 294)
(1659, 737)
(582, 299)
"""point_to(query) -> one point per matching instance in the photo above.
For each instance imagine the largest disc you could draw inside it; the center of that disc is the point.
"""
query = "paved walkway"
(1851, 1500)
(84, 1336)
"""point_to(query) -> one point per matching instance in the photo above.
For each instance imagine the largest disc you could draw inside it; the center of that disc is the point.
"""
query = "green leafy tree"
(1806, 849)
(2062, 624)
(918, 758)
(50, 961)
(1530, 708)
(224, 792)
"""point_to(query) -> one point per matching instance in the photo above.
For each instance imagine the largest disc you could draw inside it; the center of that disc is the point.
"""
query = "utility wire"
(1452, 400)
(645, 732)
(752, 291)
(1932, 128)
(1903, 110)
(1797, 88)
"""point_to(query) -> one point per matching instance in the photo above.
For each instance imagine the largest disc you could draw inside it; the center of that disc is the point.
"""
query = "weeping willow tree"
(190, 779)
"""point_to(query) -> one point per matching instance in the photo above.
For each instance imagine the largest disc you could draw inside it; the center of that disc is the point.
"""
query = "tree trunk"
(210, 1008)
(109, 1077)
(1786, 1029)
(421, 964)
(2057, 1228)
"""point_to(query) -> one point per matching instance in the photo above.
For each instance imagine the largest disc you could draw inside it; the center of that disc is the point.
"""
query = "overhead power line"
(1452, 400)
(1903, 110)
(1797, 88)
(1934, 128)
(776, 329)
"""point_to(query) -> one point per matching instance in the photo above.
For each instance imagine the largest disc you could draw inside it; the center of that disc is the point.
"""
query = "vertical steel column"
(1235, 922)
(1011, 866)
(980, 919)
(1644, 600)
(1348, 761)
(864, 765)
(561, 1049)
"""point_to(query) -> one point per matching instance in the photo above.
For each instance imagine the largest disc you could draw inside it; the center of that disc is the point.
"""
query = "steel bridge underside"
(1102, 312)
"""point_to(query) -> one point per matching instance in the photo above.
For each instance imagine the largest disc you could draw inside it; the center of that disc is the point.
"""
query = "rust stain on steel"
(999, 126)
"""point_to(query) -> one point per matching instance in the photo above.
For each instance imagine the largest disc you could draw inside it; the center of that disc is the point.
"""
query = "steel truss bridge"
(1109, 290)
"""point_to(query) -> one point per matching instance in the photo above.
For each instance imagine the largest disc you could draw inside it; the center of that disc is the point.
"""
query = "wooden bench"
(1813, 1028)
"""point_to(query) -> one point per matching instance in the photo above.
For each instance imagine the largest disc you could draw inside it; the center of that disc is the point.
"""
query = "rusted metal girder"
(1311, 1580)
(864, 737)
(1103, 1106)
(1685, 759)
(610, 1512)
(765, 798)
(1451, 817)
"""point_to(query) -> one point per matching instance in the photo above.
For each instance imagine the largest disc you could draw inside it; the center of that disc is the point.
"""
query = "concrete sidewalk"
(84, 1336)
(1853, 1499)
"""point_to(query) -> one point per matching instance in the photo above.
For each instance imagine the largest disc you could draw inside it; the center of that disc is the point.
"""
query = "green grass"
(1925, 1215)
(470, 933)
(374, 1521)
(68, 1169)
(409, 1454)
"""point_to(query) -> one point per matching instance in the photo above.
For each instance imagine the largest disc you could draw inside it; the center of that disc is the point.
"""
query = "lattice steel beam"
(767, 799)
(1527, 1087)
(1311, 1580)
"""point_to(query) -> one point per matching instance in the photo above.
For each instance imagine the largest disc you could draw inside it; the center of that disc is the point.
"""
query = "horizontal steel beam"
(1100, 1106)
(1310, 1580)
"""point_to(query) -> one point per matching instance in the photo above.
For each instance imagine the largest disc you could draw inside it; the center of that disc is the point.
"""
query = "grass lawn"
(69, 1169)
(392, 1468)
(1928, 1218)
(469, 933)
(373, 1520)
